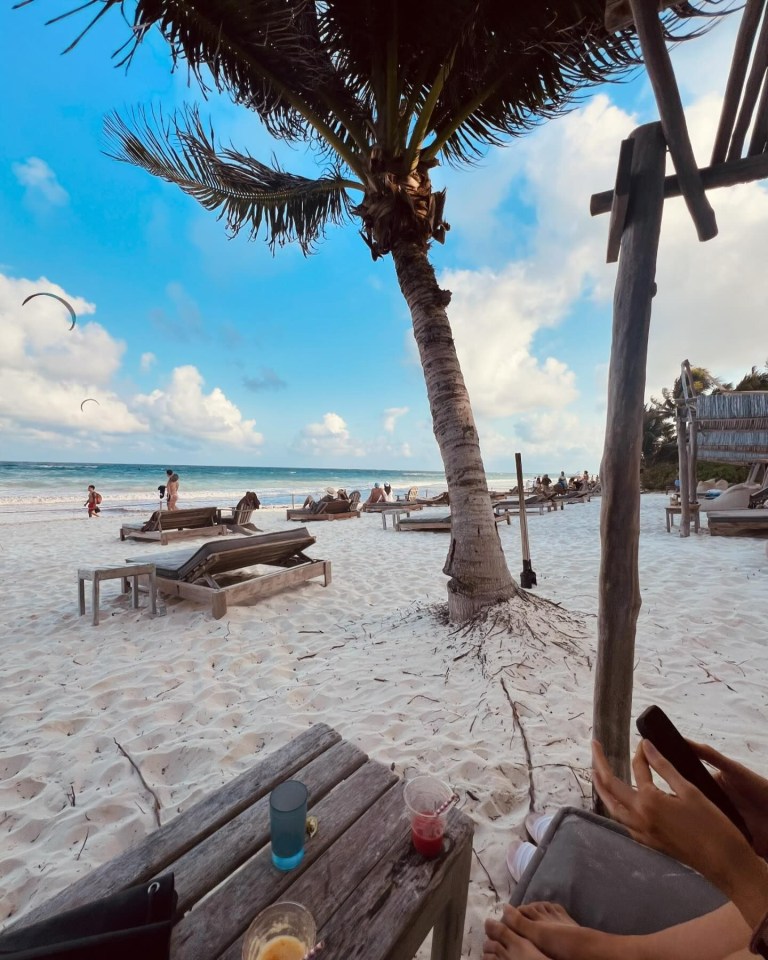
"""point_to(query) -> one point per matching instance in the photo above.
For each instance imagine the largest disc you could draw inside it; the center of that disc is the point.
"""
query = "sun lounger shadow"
(219, 572)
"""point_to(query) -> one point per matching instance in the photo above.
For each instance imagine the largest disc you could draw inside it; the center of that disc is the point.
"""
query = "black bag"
(135, 923)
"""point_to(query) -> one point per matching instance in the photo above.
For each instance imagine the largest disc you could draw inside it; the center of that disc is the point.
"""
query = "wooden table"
(372, 895)
(673, 511)
(123, 572)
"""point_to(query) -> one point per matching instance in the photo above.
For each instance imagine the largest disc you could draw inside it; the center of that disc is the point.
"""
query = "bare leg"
(714, 936)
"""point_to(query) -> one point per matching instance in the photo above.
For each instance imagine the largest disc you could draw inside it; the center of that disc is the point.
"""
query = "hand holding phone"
(654, 725)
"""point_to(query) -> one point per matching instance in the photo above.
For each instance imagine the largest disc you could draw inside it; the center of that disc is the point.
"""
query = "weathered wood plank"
(358, 851)
(684, 476)
(737, 523)
(620, 200)
(401, 900)
(746, 170)
(667, 93)
(742, 51)
(619, 586)
(215, 858)
(225, 915)
(749, 98)
(255, 588)
(155, 852)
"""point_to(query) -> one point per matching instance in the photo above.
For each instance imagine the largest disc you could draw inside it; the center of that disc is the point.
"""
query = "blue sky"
(212, 349)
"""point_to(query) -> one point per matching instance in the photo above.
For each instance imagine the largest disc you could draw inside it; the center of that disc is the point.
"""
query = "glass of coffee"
(284, 931)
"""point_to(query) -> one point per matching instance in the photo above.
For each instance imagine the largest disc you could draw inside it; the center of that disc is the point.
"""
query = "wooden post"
(693, 456)
(662, 77)
(619, 592)
(528, 575)
(682, 455)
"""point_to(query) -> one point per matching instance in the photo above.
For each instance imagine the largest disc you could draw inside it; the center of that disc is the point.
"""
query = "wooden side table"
(673, 512)
(124, 572)
(372, 896)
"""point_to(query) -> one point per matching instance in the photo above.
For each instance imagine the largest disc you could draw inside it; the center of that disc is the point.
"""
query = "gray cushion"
(607, 881)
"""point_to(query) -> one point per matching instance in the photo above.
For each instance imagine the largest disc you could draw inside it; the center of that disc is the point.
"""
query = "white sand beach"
(195, 701)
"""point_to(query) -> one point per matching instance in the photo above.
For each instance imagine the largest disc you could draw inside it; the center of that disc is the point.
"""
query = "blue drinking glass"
(288, 823)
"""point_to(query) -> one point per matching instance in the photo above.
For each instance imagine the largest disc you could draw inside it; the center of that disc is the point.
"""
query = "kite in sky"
(60, 299)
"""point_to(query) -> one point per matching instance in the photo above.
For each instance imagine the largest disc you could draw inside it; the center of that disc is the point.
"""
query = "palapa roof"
(732, 427)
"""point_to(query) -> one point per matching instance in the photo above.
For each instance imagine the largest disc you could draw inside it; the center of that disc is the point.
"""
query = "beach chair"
(533, 504)
(328, 510)
(167, 525)
(436, 524)
(238, 518)
(219, 572)
(608, 881)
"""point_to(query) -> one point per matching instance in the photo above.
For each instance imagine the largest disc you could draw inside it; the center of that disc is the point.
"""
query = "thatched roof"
(732, 427)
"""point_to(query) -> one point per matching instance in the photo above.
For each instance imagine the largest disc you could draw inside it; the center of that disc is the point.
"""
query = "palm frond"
(246, 193)
(317, 71)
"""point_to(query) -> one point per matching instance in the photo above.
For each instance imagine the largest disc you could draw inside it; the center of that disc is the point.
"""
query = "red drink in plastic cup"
(424, 797)
(427, 835)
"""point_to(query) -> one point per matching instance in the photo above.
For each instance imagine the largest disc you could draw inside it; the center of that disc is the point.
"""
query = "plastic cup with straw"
(428, 801)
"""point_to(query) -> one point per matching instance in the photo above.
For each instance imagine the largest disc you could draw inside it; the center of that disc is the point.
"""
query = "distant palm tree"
(756, 379)
(382, 90)
(658, 432)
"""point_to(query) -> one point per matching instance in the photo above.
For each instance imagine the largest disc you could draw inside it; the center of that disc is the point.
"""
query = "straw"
(315, 950)
(444, 806)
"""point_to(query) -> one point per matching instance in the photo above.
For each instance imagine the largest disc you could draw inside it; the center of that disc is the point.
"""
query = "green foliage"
(381, 89)
(660, 476)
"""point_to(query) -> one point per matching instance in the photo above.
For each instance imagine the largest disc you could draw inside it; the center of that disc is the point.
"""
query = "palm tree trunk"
(476, 563)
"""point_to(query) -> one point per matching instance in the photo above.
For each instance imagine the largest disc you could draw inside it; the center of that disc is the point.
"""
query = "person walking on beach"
(172, 489)
(93, 501)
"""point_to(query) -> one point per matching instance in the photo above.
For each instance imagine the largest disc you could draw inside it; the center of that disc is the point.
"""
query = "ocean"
(31, 487)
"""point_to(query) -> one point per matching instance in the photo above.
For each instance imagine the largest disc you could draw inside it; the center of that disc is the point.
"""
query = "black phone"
(654, 725)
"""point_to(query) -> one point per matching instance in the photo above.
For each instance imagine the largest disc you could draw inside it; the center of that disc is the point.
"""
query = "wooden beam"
(620, 200)
(742, 52)
(619, 586)
(759, 142)
(751, 93)
(728, 174)
(683, 475)
(665, 89)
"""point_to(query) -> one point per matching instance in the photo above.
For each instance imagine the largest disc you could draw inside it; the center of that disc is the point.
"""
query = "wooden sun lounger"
(734, 523)
(437, 524)
(383, 506)
(511, 507)
(330, 510)
(216, 573)
(166, 525)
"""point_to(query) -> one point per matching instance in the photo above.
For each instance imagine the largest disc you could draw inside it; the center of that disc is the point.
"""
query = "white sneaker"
(519, 855)
(537, 825)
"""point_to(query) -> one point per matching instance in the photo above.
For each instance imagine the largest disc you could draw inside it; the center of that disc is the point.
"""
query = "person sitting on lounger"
(389, 497)
(684, 825)
(376, 496)
(317, 505)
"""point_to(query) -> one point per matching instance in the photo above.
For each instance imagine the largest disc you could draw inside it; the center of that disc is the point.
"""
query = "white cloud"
(185, 410)
(392, 415)
(708, 309)
(329, 437)
(47, 370)
(40, 181)
(148, 360)
(495, 318)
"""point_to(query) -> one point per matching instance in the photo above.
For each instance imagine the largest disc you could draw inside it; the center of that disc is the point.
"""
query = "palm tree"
(383, 90)
(658, 432)
(756, 379)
